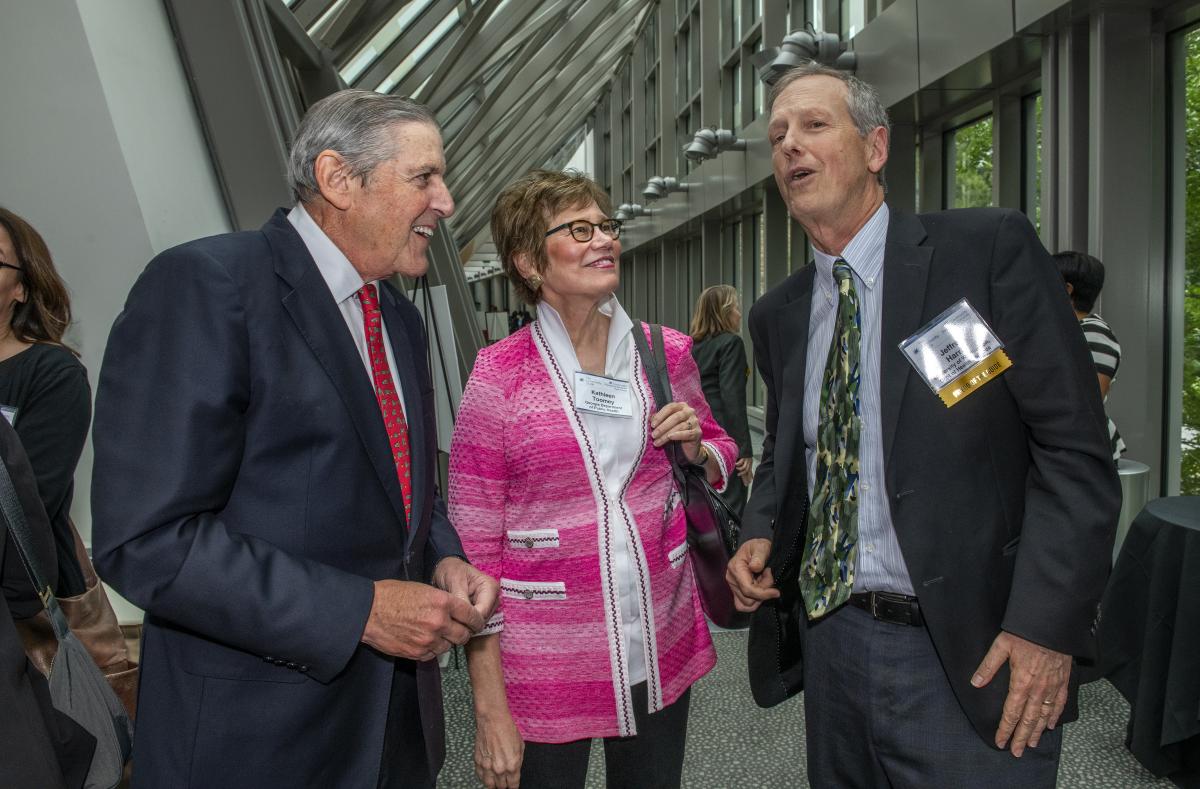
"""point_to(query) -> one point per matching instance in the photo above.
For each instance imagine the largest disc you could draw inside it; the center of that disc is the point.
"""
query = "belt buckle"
(874, 600)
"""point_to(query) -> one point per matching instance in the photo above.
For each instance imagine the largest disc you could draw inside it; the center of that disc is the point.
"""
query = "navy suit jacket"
(245, 496)
(1005, 505)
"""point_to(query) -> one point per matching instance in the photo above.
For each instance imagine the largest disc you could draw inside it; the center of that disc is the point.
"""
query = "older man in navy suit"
(265, 478)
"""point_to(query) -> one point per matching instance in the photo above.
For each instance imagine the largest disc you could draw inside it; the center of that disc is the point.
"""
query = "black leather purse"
(712, 526)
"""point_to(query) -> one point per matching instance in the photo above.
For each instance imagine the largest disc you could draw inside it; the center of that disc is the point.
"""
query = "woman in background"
(44, 391)
(721, 357)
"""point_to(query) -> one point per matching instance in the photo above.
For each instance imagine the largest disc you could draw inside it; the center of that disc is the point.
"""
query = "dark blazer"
(245, 496)
(1005, 505)
(721, 359)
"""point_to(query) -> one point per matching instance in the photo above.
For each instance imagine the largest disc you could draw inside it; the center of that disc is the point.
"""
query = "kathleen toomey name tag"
(600, 395)
(956, 353)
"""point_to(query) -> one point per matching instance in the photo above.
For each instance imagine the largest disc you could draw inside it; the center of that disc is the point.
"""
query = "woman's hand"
(499, 751)
(745, 469)
(677, 422)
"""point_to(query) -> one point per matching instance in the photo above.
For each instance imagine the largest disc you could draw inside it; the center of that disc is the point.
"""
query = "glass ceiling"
(503, 77)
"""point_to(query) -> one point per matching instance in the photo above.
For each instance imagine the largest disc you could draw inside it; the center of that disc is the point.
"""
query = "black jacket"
(723, 372)
(36, 742)
(1005, 505)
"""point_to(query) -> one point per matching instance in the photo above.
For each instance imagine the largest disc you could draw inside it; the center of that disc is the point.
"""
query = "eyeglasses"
(18, 268)
(582, 230)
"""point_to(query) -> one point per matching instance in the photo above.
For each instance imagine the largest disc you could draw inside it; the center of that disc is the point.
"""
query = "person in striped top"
(1084, 278)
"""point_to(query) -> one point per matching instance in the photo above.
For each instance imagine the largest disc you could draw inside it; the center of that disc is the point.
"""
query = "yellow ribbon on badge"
(992, 365)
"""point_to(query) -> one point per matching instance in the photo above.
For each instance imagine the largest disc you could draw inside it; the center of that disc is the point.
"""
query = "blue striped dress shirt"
(880, 565)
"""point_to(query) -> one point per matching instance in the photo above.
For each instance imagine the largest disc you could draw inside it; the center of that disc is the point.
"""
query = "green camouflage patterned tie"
(827, 570)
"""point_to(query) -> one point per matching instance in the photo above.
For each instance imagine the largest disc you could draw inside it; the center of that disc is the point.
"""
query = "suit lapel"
(414, 403)
(791, 324)
(316, 315)
(906, 269)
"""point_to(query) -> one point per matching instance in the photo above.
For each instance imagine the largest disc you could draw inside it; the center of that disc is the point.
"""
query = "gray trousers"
(879, 712)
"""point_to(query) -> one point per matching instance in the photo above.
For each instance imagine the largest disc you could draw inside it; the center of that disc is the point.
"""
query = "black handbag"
(712, 527)
(77, 687)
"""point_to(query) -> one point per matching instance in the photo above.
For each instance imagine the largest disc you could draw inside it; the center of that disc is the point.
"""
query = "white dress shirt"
(619, 441)
(344, 282)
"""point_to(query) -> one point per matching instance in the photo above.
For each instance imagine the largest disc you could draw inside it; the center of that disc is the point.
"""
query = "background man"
(977, 536)
(265, 470)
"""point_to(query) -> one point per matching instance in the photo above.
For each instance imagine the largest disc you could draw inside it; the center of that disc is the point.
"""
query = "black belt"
(899, 609)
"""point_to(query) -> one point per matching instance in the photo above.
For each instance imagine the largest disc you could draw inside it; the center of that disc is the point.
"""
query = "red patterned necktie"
(385, 393)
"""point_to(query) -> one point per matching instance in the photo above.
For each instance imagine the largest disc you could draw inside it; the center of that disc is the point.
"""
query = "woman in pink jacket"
(559, 487)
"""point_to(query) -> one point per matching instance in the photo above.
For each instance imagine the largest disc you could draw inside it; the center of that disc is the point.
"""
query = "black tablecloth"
(1149, 636)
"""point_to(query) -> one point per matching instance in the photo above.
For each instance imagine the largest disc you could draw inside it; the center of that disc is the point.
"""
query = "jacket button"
(303, 669)
(528, 542)
(528, 594)
(278, 661)
(268, 658)
(292, 666)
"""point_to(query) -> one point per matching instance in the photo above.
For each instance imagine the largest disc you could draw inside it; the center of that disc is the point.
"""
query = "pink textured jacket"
(528, 501)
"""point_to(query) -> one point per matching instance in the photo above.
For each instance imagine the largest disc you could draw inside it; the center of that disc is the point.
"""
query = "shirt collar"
(864, 253)
(336, 269)
(619, 327)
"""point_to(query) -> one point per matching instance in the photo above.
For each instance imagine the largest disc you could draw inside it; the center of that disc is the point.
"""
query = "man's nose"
(442, 202)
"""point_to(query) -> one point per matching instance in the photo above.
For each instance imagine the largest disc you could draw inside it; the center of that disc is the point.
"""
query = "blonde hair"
(522, 215)
(714, 312)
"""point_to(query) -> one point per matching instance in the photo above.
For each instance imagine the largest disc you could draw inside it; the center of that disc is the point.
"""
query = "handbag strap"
(660, 380)
(14, 517)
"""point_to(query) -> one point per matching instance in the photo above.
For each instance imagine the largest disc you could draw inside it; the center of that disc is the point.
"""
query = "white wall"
(100, 150)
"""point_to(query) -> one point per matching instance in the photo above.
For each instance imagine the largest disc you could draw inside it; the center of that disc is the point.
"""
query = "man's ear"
(877, 149)
(1070, 289)
(334, 180)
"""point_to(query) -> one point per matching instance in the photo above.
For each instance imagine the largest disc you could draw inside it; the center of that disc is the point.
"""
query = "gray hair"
(862, 100)
(355, 124)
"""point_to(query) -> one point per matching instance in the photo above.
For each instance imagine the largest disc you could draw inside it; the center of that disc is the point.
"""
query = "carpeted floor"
(732, 744)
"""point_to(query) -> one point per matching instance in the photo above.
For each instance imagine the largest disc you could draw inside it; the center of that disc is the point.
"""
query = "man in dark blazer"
(983, 528)
(265, 479)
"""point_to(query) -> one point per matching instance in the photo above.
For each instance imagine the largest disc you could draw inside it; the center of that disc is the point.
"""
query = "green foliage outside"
(973, 165)
(1190, 471)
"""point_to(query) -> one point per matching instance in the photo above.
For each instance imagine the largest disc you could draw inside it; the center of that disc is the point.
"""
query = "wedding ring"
(1048, 702)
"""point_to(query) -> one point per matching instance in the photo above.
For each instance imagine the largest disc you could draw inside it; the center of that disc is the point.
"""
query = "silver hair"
(862, 100)
(355, 124)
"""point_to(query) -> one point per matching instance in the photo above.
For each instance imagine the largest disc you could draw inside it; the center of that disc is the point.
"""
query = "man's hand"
(1037, 689)
(416, 621)
(463, 581)
(748, 576)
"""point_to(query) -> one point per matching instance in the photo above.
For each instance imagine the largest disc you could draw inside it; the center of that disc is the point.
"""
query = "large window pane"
(969, 174)
(1190, 438)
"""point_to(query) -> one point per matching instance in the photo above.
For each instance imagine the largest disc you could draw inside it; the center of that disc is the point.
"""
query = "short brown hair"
(46, 312)
(714, 312)
(522, 215)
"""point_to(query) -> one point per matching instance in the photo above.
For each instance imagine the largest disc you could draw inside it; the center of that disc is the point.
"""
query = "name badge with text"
(956, 353)
(597, 394)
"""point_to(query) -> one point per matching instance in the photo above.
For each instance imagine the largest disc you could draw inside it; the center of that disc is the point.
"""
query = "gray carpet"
(732, 744)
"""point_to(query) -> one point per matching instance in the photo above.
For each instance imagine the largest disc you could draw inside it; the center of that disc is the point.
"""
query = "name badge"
(10, 413)
(597, 394)
(956, 353)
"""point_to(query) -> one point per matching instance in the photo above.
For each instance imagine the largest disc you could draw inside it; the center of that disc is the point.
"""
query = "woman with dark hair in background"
(1084, 278)
(719, 353)
(44, 391)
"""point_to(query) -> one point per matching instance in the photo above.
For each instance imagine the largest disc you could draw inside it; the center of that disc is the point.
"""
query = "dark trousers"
(879, 712)
(652, 759)
(404, 764)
